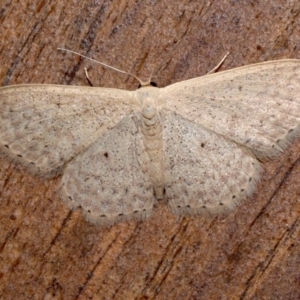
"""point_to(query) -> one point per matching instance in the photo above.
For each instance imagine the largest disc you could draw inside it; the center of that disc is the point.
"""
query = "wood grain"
(49, 252)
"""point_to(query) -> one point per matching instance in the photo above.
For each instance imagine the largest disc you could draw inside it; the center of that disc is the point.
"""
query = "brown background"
(49, 252)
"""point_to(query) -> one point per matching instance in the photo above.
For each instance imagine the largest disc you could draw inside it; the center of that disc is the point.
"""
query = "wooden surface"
(50, 252)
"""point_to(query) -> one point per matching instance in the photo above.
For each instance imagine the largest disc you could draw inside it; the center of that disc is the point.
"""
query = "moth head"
(146, 83)
(147, 94)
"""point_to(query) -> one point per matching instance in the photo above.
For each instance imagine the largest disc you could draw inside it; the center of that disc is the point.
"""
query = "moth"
(198, 144)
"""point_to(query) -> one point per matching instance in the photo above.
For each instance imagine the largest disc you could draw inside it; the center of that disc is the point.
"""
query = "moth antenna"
(150, 77)
(142, 83)
(88, 77)
(219, 64)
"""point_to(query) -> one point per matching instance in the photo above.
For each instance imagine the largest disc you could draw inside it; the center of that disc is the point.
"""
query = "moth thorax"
(150, 121)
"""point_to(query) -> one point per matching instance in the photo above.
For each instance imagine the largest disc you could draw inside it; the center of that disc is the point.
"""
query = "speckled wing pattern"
(44, 126)
(257, 106)
(109, 180)
(196, 143)
(204, 172)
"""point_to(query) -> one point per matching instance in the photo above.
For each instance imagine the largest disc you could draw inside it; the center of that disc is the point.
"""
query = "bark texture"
(50, 252)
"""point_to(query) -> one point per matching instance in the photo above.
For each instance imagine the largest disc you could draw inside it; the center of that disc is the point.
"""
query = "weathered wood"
(49, 252)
